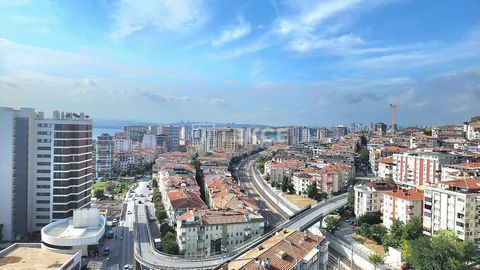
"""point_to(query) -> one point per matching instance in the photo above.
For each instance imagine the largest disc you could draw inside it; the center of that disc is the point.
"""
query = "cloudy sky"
(271, 62)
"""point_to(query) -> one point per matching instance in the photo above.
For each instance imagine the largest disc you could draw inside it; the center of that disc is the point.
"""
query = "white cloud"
(308, 43)
(232, 32)
(131, 16)
(215, 101)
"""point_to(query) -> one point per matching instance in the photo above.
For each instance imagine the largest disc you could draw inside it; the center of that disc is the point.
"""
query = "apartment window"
(44, 133)
(43, 217)
(44, 148)
(43, 193)
(44, 125)
(42, 209)
(43, 178)
(43, 171)
(43, 156)
(43, 163)
(44, 140)
(43, 201)
(43, 186)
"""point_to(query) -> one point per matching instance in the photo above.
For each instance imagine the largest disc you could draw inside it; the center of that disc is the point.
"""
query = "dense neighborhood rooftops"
(406, 194)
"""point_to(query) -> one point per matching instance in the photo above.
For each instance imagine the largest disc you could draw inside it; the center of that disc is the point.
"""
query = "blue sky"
(267, 62)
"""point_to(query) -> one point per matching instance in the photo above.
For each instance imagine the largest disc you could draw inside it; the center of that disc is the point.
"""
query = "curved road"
(147, 255)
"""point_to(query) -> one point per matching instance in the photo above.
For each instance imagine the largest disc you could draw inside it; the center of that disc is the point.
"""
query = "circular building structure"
(80, 232)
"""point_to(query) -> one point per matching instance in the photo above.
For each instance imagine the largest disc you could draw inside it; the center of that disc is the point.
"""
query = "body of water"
(99, 131)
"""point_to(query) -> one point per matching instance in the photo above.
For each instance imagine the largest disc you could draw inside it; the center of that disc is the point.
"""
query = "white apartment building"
(149, 141)
(454, 206)
(216, 231)
(122, 143)
(369, 197)
(103, 156)
(46, 168)
(402, 205)
(417, 169)
(17, 162)
(301, 181)
(386, 167)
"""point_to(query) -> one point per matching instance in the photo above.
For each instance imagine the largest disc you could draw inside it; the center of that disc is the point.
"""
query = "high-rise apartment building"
(45, 166)
(103, 157)
(297, 135)
(173, 133)
(17, 144)
(454, 206)
(340, 131)
(322, 133)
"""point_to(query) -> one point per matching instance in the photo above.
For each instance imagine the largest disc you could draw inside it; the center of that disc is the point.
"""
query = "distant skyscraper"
(380, 129)
(173, 133)
(340, 131)
(322, 133)
(45, 167)
(103, 157)
(297, 135)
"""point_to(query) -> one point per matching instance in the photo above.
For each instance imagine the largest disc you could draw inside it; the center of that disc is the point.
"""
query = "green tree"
(364, 156)
(165, 228)
(182, 148)
(98, 193)
(376, 259)
(351, 197)
(312, 191)
(169, 244)
(291, 188)
(285, 183)
(443, 251)
(154, 183)
(413, 229)
(160, 214)
(370, 218)
(332, 224)
(267, 178)
(395, 235)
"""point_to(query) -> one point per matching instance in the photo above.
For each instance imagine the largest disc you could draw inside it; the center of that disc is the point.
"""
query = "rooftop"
(281, 250)
(406, 194)
(27, 258)
(472, 184)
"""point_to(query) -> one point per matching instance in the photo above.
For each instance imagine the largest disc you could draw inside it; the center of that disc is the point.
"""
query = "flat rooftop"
(27, 258)
(66, 230)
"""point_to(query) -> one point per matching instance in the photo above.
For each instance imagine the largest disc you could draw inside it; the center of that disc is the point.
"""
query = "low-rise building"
(27, 256)
(180, 201)
(369, 197)
(454, 206)
(461, 171)
(401, 204)
(216, 231)
(287, 249)
(81, 232)
(385, 168)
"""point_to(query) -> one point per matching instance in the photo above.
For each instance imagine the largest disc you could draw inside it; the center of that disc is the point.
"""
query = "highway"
(245, 182)
(146, 254)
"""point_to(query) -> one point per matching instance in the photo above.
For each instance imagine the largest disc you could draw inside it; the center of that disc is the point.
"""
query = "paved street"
(122, 243)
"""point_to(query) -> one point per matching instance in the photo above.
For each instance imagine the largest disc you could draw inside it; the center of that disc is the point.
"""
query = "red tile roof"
(406, 194)
(472, 184)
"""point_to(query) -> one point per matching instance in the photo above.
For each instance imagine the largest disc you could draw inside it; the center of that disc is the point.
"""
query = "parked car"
(127, 266)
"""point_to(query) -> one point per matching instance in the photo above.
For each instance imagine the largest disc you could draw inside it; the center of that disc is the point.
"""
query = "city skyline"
(269, 62)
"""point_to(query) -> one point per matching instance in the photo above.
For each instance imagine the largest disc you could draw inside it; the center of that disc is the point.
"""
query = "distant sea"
(97, 131)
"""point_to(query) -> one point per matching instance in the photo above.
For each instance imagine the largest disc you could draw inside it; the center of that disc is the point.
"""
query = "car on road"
(129, 212)
(127, 266)
(106, 251)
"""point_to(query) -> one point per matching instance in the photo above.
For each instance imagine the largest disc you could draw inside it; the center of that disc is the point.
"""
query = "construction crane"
(394, 110)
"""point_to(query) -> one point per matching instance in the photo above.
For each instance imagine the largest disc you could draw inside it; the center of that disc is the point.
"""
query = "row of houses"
(449, 205)
(221, 221)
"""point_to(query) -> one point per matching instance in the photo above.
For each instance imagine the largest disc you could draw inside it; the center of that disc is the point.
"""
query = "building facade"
(103, 156)
(402, 205)
(454, 206)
